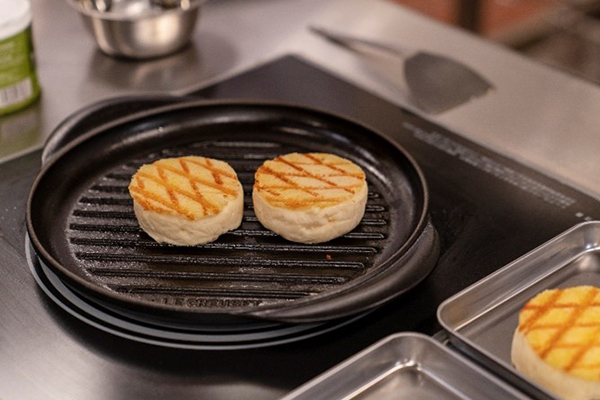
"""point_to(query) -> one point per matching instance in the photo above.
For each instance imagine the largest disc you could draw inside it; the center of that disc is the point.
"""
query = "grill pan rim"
(59, 138)
(264, 311)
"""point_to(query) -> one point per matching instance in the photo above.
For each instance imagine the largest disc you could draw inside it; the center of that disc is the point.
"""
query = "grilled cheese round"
(557, 342)
(188, 200)
(311, 197)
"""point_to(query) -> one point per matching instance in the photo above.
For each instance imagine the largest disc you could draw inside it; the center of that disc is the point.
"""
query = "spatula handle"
(351, 42)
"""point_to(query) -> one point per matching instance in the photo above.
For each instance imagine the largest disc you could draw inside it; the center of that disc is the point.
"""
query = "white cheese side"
(181, 231)
(313, 225)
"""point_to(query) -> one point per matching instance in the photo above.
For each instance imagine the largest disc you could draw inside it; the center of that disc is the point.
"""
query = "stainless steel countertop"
(539, 116)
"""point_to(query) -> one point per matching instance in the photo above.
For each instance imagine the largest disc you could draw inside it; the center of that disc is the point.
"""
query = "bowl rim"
(111, 16)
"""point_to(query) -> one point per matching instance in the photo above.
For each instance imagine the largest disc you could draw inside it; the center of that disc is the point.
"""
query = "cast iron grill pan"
(82, 225)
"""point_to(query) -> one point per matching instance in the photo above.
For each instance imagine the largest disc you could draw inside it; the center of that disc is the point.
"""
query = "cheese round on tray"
(557, 343)
(309, 198)
(188, 200)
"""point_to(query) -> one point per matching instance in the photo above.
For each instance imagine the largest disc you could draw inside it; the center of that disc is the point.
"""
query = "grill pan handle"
(99, 113)
(378, 289)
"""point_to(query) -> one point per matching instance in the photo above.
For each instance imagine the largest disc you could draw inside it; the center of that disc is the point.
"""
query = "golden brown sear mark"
(292, 176)
(308, 174)
(151, 198)
(578, 349)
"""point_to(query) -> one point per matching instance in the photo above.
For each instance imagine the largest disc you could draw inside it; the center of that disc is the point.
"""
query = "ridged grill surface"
(249, 266)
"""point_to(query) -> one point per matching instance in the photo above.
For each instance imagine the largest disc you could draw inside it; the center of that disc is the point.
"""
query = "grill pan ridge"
(92, 240)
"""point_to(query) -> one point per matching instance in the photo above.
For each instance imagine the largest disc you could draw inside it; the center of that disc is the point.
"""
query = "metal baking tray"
(481, 319)
(406, 366)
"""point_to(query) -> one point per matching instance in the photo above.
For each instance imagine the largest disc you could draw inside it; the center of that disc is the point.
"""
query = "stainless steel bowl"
(139, 29)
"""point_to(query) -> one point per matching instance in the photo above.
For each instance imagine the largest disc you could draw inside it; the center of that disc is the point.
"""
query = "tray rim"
(391, 340)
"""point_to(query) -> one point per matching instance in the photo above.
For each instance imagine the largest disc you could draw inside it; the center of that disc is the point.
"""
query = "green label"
(18, 82)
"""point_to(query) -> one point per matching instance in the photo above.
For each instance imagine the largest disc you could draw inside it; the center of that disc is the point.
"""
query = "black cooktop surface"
(487, 209)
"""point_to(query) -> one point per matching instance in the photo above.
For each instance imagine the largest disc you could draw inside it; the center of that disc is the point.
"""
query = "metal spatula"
(436, 83)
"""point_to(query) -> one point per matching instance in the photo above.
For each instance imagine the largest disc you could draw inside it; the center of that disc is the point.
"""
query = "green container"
(19, 86)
